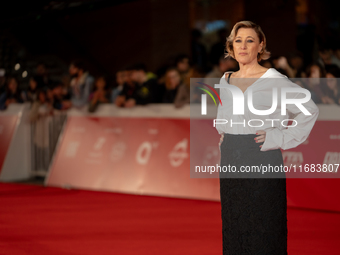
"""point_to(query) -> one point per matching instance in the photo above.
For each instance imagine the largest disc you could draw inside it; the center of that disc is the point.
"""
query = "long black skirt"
(253, 205)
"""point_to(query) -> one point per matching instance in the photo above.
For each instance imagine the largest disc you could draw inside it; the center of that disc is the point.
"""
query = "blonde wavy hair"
(263, 55)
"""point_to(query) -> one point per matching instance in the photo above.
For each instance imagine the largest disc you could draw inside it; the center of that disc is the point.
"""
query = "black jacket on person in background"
(143, 93)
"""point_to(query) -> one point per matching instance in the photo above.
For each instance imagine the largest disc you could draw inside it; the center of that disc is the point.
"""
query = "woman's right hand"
(221, 140)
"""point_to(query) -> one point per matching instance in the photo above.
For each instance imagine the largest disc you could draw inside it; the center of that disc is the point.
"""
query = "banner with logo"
(133, 155)
(151, 156)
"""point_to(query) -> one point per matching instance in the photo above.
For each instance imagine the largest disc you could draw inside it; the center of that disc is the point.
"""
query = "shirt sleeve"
(293, 135)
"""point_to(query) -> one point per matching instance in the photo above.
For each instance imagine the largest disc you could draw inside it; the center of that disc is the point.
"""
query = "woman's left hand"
(261, 136)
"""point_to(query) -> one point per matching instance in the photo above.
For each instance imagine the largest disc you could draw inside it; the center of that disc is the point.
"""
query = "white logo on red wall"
(144, 152)
(117, 151)
(211, 156)
(334, 136)
(96, 153)
(332, 158)
(292, 157)
(72, 149)
(179, 153)
(99, 143)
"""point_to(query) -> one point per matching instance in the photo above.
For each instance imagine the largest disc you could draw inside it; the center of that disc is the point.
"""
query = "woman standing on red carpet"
(254, 206)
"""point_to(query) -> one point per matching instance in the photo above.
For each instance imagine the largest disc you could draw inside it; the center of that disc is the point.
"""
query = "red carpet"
(44, 220)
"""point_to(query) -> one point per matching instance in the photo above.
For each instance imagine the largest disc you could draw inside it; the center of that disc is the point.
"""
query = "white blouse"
(277, 135)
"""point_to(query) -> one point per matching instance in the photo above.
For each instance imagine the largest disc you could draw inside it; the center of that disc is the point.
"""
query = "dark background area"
(110, 35)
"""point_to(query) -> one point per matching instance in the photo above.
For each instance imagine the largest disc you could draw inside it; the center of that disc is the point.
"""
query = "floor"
(48, 220)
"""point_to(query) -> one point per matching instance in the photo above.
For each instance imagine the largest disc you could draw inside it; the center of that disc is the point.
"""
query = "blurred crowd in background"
(136, 85)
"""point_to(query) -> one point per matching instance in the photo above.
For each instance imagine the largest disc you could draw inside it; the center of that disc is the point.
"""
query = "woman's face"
(331, 81)
(183, 65)
(246, 46)
(173, 78)
(49, 94)
(128, 77)
(100, 84)
(73, 70)
(120, 77)
(315, 72)
(12, 85)
(42, 97)
(33, 84)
